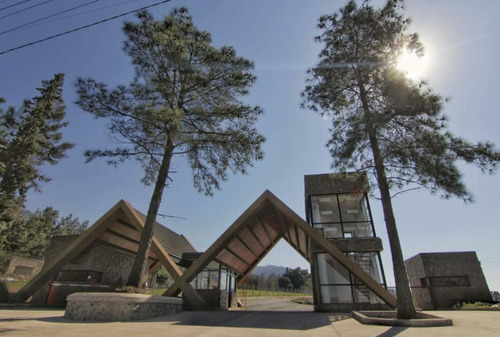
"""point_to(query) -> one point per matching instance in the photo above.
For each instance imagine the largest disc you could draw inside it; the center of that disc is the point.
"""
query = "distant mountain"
(268, 270)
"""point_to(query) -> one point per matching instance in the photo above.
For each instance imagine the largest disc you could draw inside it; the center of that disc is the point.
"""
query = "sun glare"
(412, 65)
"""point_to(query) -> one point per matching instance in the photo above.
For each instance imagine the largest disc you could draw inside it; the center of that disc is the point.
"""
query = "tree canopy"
(30, 137)
(383, 122)
(30, 234)
(184, 101)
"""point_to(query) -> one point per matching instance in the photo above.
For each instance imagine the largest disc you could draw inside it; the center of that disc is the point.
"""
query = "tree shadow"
(288, 320)
(393, 331)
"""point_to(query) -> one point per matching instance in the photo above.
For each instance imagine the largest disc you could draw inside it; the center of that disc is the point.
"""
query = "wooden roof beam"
(247, 247)
(256, 238)
(211, 253)
(232, 252)
(265, 229)
(336, 253)
(249, 270)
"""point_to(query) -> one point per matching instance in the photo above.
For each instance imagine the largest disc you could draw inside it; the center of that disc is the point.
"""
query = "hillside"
(268, 270)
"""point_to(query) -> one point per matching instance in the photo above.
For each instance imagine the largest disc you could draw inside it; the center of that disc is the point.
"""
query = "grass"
(254, 293)
(249, 293)
(16, 283)
(478, 305)
(158, 292)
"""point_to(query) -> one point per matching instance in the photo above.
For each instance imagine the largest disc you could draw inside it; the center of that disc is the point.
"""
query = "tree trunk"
(140, 268)
(406, 308)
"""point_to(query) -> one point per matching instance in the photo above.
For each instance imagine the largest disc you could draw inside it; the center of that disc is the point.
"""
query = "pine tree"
(183, 101)
(29, 237)
(384, 123)
(30, 138)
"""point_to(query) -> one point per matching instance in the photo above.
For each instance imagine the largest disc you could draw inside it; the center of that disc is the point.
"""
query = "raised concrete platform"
(389, 318)
(109, 307)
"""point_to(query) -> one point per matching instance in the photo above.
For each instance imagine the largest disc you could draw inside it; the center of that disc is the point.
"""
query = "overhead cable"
(49, 16)
(14, 5)
(25, 9)
(82, 27)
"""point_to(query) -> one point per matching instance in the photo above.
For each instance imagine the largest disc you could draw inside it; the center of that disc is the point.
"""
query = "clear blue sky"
(462, 40)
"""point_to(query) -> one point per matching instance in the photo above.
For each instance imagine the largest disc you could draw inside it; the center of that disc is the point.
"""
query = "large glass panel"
(330, 271)
(357, 230)
(336, 294)
(202, 280)
(352, 207)
(214, 279)
(330, 231)
(223, 280)
(369, 263)
(364, 295)
(324, 208)
(232, 285)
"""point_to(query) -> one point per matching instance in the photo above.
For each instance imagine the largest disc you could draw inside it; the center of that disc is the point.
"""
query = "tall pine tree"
(382, 122)
(30, 138)
(183, 101)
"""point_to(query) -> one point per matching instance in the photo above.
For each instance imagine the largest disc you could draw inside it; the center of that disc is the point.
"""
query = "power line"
(74, 15)
(83, 27)
(14, 5)
(49, 16)
(25, 9)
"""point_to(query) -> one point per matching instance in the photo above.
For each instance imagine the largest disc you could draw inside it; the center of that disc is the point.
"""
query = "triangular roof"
(248, 240)
(120, 229)
(175, 244)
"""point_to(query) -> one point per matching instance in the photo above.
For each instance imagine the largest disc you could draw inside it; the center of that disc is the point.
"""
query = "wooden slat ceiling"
(252, 242)
(124, 238)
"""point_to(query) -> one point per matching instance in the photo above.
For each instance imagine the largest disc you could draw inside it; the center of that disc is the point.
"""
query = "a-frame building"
(241, 247)
(247, 241)
(119, 229)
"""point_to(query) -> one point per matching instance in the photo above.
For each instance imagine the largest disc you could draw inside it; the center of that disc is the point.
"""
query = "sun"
(412, 65)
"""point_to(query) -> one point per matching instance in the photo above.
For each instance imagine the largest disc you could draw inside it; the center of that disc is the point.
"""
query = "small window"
(87, 276)
(445, 281)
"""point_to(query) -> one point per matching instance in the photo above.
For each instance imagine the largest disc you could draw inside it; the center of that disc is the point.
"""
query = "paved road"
(275, 304)
(51, 323)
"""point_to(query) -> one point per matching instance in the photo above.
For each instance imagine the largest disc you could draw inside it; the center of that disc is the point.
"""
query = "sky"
(462, 52)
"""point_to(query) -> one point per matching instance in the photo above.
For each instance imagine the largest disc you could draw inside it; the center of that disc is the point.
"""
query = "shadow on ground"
(393, 331)
(287, 320)
(254, 319)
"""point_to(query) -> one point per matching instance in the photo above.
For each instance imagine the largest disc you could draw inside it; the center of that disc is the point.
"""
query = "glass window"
(213, 279)
(449, 281)
(232, 286)
(223, 280)
(330, 271)
(364, 295)
(88, 276)
(324, 208)
(369, 263)
(330, 231)
(336, 294)
(358, 229)
(352, 207)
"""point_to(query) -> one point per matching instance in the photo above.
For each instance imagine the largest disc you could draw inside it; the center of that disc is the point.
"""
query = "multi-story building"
(337, 206)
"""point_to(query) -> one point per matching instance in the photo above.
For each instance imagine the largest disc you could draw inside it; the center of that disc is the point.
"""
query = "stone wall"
(119, 307)
(19, 266)
(428, 265)
(114, 266)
